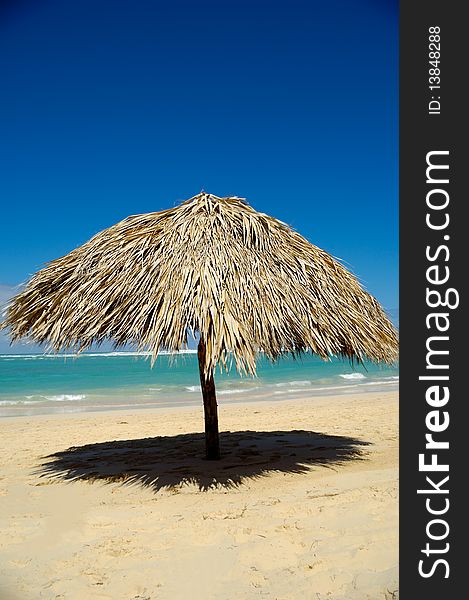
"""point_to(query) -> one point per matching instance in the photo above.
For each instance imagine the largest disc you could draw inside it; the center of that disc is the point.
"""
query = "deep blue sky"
(111, 108)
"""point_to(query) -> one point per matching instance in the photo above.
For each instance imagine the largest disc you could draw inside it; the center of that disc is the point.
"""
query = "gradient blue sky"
(115, 108)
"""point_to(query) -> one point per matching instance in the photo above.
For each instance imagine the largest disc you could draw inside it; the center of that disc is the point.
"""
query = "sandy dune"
(122, 505)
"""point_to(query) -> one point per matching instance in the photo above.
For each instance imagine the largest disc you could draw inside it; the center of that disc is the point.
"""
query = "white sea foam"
(236, 391)
(107, 354)
(186, 351)
(65, 397)
(293, 383)
(353, 376)
(35, 356)
(36, 399)
(379, 382)
(16, 356)
(192, 388)
(338, 388)
(92, 354)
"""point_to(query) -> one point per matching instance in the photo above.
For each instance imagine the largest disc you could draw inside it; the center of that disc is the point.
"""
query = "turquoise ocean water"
(40, 384)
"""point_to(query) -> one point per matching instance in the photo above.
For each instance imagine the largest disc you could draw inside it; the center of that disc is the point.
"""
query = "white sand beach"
(303, 504)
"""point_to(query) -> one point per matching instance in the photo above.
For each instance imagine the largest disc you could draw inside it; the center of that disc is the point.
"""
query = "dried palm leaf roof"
(244, 281)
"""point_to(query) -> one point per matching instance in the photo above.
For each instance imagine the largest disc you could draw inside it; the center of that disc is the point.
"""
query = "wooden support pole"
(207, 383)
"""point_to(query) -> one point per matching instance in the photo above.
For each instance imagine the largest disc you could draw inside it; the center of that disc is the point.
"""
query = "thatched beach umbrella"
(213, 267)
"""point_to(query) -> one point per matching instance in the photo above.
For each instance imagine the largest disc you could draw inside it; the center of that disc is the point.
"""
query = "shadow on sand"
(169, 462)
